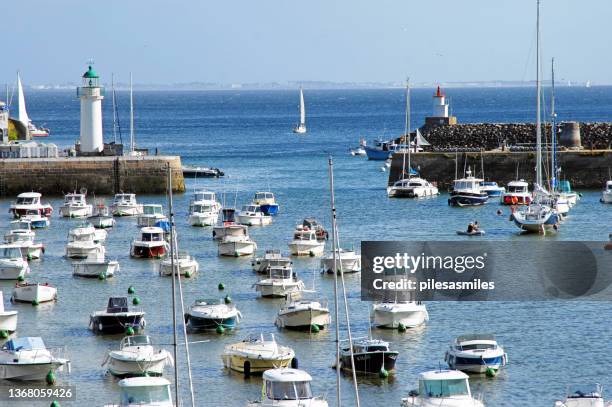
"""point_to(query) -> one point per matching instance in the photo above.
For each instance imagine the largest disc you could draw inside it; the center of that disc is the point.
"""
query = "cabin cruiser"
(75, 206)
(381, 150)
(37, 221)
(305, 243)
(209, 314)
(187, 266)
(412, 187)
(151, 214)
(20, 230)
(443, 388)
(228, 219)
(144, 392)
(201, 172)
(29, 201)
(116, 318)
(125, 205)
(252, 215)
(137, 357)
(394, 314)
(34, 293)
(256, 354)
(606, 195)
(584, 396)
(87, 229)
(467, 191)
(280, 282)
(303, 314)
(370, 356)
(517, 193)
(95, 267)
(492, 189)
(313, 224)
(347, 261)
(204, 209)
(272, 257)
(267, 202)
(84, 242)
(287, 387)
(12, 264)
(236, 241)
(101, 218)
(27, 358)
(150, 244)
(475, 354)
(8, 319)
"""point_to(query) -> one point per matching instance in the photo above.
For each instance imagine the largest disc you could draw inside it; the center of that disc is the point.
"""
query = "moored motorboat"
(203, 209)
(150, 244)
(517, 193)
(347, 261)
(34, 293)
(85, 242)
(101, 217)
(564, 189)
(116, 318)
(606, 194)
(201, 172)
(185, 264)
(20, 230)
(12, 264)
(381, 150)
(95, 267)
(27, 358)
(279, 282)
(256, 354)
(30, 250)
(125, 205)
(137, 356)
(228, 218)
(271, 258)
(305, 243)
(75, 206)
(253, 215)
(584, 396)
(287, 387)
(210, 314)
(412, 187)
(467, 191)
(30, 201)
(492, 189)
(398, 314)
(144, 392)
(151, 214)
(371, 356)
(476, 354)
(37, 221)
(313, 224)
(442, 388)
(303, 314)
(236, 241)
(8, 318)
(267, 202)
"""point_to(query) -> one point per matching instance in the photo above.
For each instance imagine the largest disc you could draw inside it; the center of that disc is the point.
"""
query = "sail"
(302, 109)
(23, 114)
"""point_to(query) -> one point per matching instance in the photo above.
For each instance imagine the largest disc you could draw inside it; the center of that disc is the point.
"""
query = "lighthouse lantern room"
(91, 95)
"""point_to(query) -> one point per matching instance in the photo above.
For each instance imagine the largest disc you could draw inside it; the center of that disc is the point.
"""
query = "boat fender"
(294, 363)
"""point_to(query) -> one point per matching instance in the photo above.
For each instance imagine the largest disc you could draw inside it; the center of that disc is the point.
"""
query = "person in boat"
(470, 228)
(476, 226)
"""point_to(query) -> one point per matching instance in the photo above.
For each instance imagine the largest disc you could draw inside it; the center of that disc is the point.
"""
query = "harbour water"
(248, 135)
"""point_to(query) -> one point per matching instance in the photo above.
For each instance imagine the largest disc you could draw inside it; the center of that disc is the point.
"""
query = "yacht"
(492, 189)
(267, 202)
(584, 396)
(606, 195)
(412, 187)
(209, 314)
(301, 127)
(303, 314)
(125, 205)
(20, 230)
(236, 241)
(280, 282)
(443, 388)
(37, 221)
(228, 219)
(12, 264)
(517, 193)
(370, 355)
(348, 260)
(253, 215)
(467, 191)
(28, 359)
(150, 244)
(272, 258)
(75, 206)
(34, 293)
(30, 201)
(151, 214)
(475, 354)
(101, 217)
(256, 354)
(187, 266)
(137, 357)
(536, 218)
(204, 209)
(8, 319)
(85, 241)
(305, 243)
(286, 387)
(116, 318)
(394, 314)
(144, 392)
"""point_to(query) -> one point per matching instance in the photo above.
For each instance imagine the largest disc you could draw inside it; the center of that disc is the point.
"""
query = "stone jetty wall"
(488, 136)
(100, 175)
(583, 168)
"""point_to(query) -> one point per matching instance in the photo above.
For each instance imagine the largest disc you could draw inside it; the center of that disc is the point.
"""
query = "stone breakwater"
(584, 169)
(488, 136)
(100, 175)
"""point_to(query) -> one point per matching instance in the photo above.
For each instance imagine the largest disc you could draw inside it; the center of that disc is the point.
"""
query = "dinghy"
(34, 293)
(28, 359)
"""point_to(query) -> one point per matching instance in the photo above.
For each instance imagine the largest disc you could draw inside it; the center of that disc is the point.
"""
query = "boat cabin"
(444, 384)
(370, 345)
(236, 230)
(287, 384)
(518, 187)
(228, 214)
(200, 196)
(475, 342)
(583, 396)
(304, 234)
(10, 252)
(74, 199)
(125, 199)
(468, 183)
(135, 340)
(28, 198)
(262, 198)
(25, 343)
(251, 210)
(280, 273)
(152, 209)
(151, 234)
(149, 391)
(201, 208)
(21, 225)
(117, 305)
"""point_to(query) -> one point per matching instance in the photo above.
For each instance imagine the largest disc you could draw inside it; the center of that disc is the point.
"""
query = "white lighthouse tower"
(440, 105)
(90, 93)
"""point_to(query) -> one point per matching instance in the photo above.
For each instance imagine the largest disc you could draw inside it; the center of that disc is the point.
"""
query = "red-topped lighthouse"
(440, 115)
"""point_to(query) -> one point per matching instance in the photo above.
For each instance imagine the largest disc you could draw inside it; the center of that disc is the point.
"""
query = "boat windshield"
(202, 208)
(305, 235)
(20, 225)
(584, 391)
(83, 237)
(26, 201)
(146, 395)
(288, 390)
(125, 198)
(444, 388)
(151, 237)
(517, 188)
(26, 343)
(280, 272)
(477, 346)
(137, 340)
(152, 210)
(251, 208)
(459, 185)
(10, 253)
(204, 196)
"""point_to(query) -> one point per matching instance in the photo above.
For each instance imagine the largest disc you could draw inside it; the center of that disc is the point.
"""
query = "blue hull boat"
(206, 324)
(462, 199)
(270, 209)
(376, 154)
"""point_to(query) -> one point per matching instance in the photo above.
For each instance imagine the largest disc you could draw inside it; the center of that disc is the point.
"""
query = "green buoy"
(490, 372)
(227, 299)
(54, 403)
(221, 286)
(220, 330)
(101, 276)
(4, 334)
(187, 274)
(131, 290)
(311, 253)
(34, 302)
(383, 374)
(314, 328)
(50, 378)
(401, 327)
(136, 301)
(129, 331)
(20, 278)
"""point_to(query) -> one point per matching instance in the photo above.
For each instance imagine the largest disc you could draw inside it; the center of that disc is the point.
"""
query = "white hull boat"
(280, 282)
(75, 206)
(606, 195)
(252, 215)
(412, 187)
(301, 248)
(84, 249)
(144, 392)
(204, 209)
(303, 314)
(28, 358)
(211, 314)
(235, 248)
(8, 319)
(186, 265)
(31, 250)
(21, 231)
(409, 314)
(272, 258)
(347, 259)
(125, 205)
(476, 354)
(584, 396)
(287, 388)
(12, 264)
(34, 293)
(151, 214)
(95, 268)
(203, 219)
(443, 388)
(137, 357)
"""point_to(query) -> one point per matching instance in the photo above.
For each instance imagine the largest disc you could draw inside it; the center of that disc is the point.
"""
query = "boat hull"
(349, 265)
(148, 252)
(208, 324)
(257, 365)
(254, 220)
(126, 210)
(606, 197)
(95, 269)
(527, 224)
(301, 249)
(376, 154)
(13, 272)
(278, 290)
(476, 364)
(18, 212)
(303, 319)
(236, 249)
(117, 324)
(102, 222)
(147, 366)
(463, 199)
(184, 268)
(203, 220)
(34, 293)
(28, 371)
(370, 363)
(75, 212)
(83, 252)
(392, 320)
(8, 321)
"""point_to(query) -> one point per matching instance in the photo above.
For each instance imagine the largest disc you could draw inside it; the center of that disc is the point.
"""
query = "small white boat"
(272, 258)
(252, 215)
(256, 354)
(34, 293)
(95, 267)
(443, 388)
(476, 354)
(204, 209)
(392, 315)
(30, 250)
(347, 260)
(27, 202)
(186, 265)
(8, 319)
(584, 396)
(412, 187)
(301, 127)
(12, 264)
(517, 193)
(151, 214)
(84, 242)
(102, 217)
(150, 244)
(37, 221)
(210, 314)
(287, 387)
(236, 242)
(20, 230)
(606, 195)
(280, 282)
(228, 218)
(144, 392)
(125, 205)
(28, 359)
(303, 314)
(85, 230)
(137, 357)
(75, 206)
(305, 243)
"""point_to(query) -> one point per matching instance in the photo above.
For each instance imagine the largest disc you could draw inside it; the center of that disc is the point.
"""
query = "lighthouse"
(440, 116)
(90, 93)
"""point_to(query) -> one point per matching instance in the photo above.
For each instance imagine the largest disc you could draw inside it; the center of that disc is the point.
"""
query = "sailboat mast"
(114, 108)
(172, 264)
(131, 117)
(538, 96)
(553, 127)
(335, 259)
(406, 130)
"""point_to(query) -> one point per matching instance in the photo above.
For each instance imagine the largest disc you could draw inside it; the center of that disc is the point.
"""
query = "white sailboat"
(23, 113)
(301, 128)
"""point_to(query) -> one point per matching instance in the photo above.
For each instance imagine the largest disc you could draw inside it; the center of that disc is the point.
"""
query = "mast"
(114, 100)
(553, 126)
(335, 255)
(302, 109)
(131, 117)
(175, 341)
(406, 130)
(538, 96)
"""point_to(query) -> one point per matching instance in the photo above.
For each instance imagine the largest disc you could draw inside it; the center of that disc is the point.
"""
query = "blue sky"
(239, 41)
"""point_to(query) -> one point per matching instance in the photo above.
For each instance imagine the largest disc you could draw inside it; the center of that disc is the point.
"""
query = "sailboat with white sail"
(23, 114)
(132, 152)
(301, 127)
